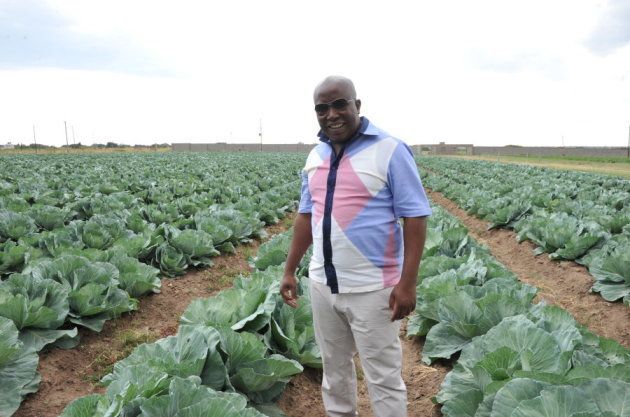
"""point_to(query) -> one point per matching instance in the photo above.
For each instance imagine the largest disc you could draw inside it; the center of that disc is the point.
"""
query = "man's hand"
(402, 300)
(288, 290)
(302, 239)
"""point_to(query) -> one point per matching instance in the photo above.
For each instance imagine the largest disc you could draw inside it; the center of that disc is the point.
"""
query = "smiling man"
(356, 186)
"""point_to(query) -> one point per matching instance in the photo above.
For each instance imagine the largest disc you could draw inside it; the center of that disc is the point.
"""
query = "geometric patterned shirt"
(356, 199)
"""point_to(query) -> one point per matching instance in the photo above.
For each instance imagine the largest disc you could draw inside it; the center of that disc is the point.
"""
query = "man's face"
(338, 124)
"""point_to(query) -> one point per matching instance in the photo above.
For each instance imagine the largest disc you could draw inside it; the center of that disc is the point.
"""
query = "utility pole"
(73, 139)
(34, 138)
(260, 133)
(65, 126)
(628, 141)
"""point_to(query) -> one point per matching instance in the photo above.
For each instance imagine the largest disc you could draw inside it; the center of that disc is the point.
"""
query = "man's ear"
(358, 104)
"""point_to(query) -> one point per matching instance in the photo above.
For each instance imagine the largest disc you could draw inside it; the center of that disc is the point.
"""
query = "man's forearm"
(414, 234)
(302, 239)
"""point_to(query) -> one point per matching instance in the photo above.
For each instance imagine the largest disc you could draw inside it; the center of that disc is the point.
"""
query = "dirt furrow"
(69, 374)
(563, 283)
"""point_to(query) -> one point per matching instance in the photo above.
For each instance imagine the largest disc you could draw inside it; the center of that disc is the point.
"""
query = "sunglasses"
(322, 109)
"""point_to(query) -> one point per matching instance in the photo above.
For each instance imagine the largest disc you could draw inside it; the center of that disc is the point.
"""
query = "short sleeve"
(409, 197)
(306, 204)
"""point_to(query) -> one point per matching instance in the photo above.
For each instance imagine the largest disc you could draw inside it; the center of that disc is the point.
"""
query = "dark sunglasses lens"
(339, 104)
(321, 108)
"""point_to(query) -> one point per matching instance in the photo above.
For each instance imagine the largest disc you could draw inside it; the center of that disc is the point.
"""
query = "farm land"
(161, 277)
(615, 166)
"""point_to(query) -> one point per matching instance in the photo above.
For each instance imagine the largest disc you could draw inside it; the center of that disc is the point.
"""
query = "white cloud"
(33, 34)
(613, 28)
(489, 72)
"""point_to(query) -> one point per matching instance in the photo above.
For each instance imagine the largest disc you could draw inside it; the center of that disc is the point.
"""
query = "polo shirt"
(356, 199)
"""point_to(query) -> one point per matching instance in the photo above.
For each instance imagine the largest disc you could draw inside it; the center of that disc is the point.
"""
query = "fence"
(432, 149)
(550, 151)
(243, 147)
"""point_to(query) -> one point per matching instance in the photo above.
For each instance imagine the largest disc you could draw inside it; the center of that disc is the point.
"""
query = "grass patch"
(222, 276)
(248, 252)
(130, 338)
(287, 221)
(600, 159)
(586, 164)
(123, 344)
(223, 282)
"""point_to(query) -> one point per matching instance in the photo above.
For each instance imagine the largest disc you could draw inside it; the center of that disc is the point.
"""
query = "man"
(356, 185)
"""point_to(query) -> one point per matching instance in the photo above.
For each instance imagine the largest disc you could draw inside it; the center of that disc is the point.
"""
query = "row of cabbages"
(237, 348)
(65, 271)
(80, 203)
(80, 256)
(171, 243)
(570, 215)
(517, 358)
(52, 293)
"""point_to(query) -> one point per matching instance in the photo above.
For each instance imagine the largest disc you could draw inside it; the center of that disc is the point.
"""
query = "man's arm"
(402, 300)
(302, 239)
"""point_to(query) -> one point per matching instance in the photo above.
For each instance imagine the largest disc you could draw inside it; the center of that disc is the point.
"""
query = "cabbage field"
(516, 357)
(567, 214)
(83, 237)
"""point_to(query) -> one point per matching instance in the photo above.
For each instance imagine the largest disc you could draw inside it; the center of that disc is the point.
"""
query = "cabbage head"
(208, 223)
(13, 257)
(38, 307)
(93, 289)
(242, 309)
(612, 275)
(139, 246)
(59, 241)
(196, 245)
(18, 369)
(262, 378)
(100, 231)
(171, 261)
(134, 276)
(273, 252)
(514, 348)
(292, 333)
(50, 217)
(161, 213)
(15, 225)
(183, 397)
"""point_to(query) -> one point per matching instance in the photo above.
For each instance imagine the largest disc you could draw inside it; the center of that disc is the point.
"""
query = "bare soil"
(73, 373)
(563, 283)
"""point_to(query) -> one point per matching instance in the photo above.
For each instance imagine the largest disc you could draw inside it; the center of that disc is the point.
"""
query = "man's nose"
(332, 113)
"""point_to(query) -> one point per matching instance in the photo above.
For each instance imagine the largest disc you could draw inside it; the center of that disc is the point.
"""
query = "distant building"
(443, 148)
(9, 145)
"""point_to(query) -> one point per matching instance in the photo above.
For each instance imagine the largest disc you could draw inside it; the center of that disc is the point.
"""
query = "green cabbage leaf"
(38, 307)
(94, 295)
(18, 369)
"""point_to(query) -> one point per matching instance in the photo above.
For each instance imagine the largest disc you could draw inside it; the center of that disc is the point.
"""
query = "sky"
(498, 72)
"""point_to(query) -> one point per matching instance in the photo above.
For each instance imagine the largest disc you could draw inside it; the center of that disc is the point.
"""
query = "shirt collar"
(366, 128)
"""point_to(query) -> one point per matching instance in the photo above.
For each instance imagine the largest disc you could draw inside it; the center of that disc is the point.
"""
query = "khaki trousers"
(358, 322)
